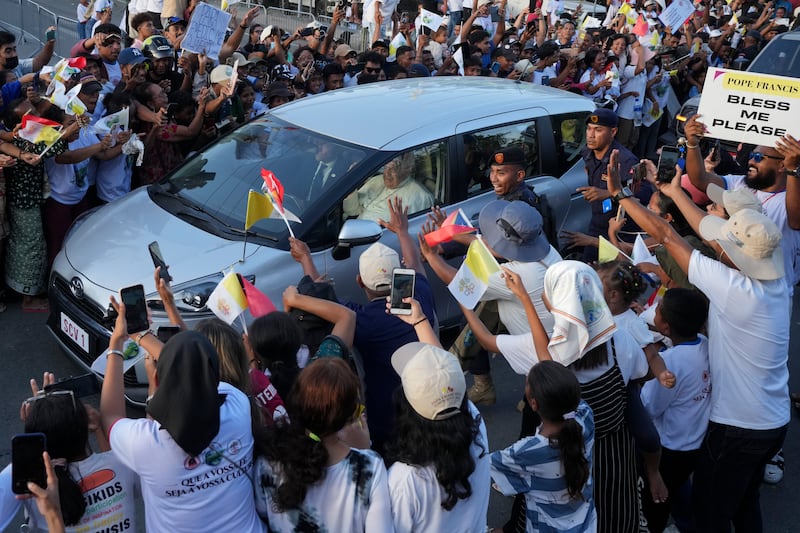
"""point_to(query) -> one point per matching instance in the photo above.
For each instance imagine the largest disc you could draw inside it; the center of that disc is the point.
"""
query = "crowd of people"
(651, 391)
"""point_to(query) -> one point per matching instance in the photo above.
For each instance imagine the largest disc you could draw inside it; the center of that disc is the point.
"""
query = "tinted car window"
(479, 146)
(781, 58)
(569, 133)
(310, 167)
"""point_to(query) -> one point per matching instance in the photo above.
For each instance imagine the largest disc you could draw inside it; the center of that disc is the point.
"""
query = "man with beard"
(9, 60)
(766, 178)
(766, 175)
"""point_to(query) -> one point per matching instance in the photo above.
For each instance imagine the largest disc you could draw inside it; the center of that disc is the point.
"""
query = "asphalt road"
(27, 350)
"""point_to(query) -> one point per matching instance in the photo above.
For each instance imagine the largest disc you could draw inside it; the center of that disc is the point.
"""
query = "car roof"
(414, 111)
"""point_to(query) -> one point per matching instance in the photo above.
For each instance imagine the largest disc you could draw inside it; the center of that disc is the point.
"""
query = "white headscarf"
(582, 317)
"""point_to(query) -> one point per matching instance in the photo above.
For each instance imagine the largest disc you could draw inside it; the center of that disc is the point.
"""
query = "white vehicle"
(446, 128)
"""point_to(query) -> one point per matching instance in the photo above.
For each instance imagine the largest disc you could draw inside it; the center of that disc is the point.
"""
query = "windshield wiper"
(158, 189)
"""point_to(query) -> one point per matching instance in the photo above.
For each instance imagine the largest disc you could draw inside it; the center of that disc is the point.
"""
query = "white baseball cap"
(375, 266)
(433, 381)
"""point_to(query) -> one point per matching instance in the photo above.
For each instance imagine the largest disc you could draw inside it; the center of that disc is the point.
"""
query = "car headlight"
(191, 297)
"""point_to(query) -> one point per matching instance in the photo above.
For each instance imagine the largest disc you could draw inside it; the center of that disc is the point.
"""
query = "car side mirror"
(355, 233)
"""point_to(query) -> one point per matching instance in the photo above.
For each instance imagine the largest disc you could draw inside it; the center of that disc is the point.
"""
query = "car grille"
(89, 313)
(85, 305)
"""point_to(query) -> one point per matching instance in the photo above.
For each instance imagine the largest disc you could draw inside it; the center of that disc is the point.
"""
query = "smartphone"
(81, 386)
(494, 14)
(402, 287)
(495, 67)
(620, 213)
(158, 260)
(305, 32)
(165, 333)
(666, 163)
(546, 81)
(135, 308)
(50, 35)
(638, 174)
(27, 463)
(715, 155)
(405, 18)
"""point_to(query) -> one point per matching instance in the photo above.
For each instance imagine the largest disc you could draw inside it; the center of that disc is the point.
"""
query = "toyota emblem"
(76, 286)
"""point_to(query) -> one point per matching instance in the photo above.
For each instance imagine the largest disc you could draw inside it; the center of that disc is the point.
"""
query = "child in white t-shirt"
(680, 413)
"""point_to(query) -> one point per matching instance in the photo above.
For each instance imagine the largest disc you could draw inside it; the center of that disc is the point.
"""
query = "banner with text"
(748, 107)
(206, 31)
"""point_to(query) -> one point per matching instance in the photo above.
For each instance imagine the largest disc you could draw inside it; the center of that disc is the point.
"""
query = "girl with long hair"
(95, 490)
(439, 473)
(308, 478)
(553, 467)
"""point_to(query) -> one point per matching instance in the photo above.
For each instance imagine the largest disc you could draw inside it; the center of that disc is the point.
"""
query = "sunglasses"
(43, 394)
(372, 70)
(509, 231)
(758, 157)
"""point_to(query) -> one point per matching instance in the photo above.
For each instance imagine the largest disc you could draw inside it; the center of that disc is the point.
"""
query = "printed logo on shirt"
(234, 447)
(96, 479)
(213, 457)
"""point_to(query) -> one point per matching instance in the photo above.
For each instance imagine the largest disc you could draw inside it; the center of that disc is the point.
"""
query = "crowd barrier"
(35, 19)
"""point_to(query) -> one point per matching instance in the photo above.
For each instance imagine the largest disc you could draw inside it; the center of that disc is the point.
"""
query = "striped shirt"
(533, 467)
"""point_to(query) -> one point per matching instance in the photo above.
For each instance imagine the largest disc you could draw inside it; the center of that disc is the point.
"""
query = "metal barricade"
(353, 34)
(67, 32)
(287, 19)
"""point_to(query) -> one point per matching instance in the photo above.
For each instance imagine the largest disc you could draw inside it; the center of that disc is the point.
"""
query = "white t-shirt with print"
(680, 414)
(210, 492)
(748, 345)
(417, 495)
(636, 326)
(352, 496)
(107, 485)
(510, 309)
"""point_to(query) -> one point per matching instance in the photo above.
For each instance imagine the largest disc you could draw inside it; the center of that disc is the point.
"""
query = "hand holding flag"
(472, 279)
(456, 223)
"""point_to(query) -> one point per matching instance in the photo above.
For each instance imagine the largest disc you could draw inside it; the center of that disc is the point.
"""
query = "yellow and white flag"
(227, 301)
(607, 252)
(228, 3)
(472, 279)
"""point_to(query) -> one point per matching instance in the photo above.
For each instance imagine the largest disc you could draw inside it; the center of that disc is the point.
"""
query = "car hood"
(109, 246)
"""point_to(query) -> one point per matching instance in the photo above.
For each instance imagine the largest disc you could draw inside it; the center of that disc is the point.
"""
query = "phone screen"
(666, 163)
(27, 463)
(402, 287)
(135, 308)
(81, 386)
(495, 67)
(165, 333)
(158, 260)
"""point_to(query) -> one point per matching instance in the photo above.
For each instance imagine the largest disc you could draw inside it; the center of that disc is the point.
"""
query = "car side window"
(417, 176)
(479, 146)
(570, 136)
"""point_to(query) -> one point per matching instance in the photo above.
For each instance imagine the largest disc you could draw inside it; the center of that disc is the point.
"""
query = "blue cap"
(131, 56)
(603, 117)
(514, 230)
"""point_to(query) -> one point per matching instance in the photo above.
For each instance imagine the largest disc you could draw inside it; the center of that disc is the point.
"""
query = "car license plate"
(75, 332)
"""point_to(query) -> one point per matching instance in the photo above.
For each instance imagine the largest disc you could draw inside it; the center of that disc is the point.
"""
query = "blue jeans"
(455, 20)
(728, 476)
(81, 27)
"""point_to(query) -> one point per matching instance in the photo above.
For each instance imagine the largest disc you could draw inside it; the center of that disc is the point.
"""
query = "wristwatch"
(795, 172)
(624, 193)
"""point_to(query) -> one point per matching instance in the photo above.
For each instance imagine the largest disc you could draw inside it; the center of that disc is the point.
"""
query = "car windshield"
(216, 181)
(781, 58)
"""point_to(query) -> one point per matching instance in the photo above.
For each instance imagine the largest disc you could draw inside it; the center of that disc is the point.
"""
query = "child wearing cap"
(439, 479)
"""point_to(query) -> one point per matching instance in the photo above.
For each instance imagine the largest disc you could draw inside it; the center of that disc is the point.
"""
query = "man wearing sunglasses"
(373, 69)
(771, 175)
(767, 171)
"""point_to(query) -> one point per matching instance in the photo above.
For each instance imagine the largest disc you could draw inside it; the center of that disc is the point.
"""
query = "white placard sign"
(206, 31)
(748, 107)
(676, 14)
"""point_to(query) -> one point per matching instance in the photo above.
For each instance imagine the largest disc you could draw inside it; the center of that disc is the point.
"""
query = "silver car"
(442, 130)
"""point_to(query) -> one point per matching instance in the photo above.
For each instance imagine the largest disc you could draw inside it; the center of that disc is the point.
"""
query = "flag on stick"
(607, 252)
(258, 302)
(106, 124)
(39, 130)
(472, 279)
(227, 300)
(641, 253)
(258, 207)
(456, 223)
(228, 3)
